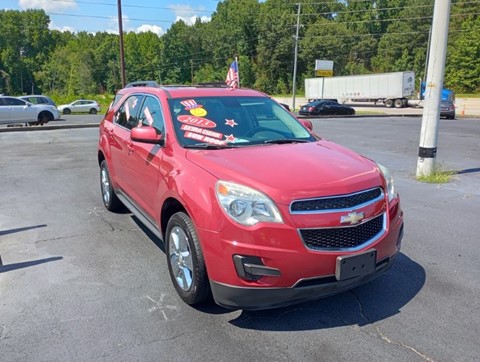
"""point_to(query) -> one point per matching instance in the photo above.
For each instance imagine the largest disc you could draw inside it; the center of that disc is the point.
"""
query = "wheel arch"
(170, 207)
(100, 157)
(47, 114)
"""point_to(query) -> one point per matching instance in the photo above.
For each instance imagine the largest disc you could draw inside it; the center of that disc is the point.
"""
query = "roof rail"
(143, 83)
(213, 84)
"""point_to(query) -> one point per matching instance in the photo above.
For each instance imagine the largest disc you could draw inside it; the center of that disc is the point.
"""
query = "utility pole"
(122, 55)
(433, 91)
(427, 56)
(191, 70)
(295, 60)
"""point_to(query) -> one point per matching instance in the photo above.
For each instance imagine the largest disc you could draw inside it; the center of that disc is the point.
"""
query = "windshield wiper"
(285, 140)
(208, 146)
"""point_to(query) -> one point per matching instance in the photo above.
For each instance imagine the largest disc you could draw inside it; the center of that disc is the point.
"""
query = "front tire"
(110, 200)
(185, 260)
(44, 117)
(67, 111)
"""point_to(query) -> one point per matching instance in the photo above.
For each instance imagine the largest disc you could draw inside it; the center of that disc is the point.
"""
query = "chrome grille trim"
(330, 210)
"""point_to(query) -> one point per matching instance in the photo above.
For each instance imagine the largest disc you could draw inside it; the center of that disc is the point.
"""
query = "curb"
(46, 128)
(362, 116)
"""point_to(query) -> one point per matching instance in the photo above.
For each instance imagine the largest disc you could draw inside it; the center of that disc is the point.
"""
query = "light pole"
(433, 90)
(294, 88)
(120, 32)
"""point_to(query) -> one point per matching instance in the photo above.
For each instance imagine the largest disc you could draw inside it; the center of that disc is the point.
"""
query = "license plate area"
(353, 266)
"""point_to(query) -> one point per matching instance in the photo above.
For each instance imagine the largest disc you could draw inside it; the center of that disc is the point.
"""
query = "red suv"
(253, 207)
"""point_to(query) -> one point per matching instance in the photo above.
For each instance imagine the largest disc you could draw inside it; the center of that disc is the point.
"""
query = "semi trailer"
(396, 89)
(392, 89)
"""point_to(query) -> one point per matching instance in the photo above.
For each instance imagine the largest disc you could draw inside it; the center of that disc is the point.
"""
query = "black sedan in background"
(325, 108)
(447, 109)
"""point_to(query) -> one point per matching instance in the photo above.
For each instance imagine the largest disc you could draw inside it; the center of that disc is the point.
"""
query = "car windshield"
(218, 122)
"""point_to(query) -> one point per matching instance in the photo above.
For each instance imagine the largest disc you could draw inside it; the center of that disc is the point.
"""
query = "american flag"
(232, 75)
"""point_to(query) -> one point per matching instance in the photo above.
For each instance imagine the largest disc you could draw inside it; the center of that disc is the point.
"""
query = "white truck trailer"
(392, 89)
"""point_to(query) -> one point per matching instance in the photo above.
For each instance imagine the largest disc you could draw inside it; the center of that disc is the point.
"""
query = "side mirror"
(307, 124)
(146, 134)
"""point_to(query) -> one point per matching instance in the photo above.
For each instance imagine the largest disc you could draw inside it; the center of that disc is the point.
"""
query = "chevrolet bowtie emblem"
(352, 218)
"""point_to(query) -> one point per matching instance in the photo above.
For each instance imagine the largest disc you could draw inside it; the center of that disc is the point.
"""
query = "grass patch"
(368, 112)
(467, 95)
(438, 176)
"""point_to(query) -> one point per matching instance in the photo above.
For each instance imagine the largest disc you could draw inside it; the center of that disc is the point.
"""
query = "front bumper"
(274, 265)
(234, 297)
(448, 114)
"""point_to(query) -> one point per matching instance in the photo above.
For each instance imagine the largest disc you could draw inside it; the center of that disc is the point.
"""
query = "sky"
(101, 15)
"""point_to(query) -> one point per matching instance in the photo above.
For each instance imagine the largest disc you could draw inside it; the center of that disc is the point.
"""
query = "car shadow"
(380, 299)
(468, 170)
(26, 264)
(157, 241)
(18, 230)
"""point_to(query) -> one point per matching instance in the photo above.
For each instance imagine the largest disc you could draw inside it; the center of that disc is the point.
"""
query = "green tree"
(177, 55)
(232, 30)
(25, 43)
(463, 55)
(275, 50)
(142, 56)
(403, 47)
(326, 39)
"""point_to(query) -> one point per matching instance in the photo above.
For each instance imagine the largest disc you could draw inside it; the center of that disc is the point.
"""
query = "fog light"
(252, 268)
(400, 237)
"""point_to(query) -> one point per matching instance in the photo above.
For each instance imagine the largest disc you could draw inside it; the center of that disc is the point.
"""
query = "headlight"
(246, 205)
(390, 183)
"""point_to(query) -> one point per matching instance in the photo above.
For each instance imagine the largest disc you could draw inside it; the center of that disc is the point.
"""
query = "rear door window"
(127, 114)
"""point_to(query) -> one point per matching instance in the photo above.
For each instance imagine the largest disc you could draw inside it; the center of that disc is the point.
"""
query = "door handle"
(130, 147)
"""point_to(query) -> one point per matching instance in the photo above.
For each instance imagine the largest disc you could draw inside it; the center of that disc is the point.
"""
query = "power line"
(134, 6)
(109, 17)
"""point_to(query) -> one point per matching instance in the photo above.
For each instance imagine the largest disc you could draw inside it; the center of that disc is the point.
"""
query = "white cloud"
(153, 28)
(63, 29)
(48, 5)
(188, 14)
(113, 24)
(192, 19)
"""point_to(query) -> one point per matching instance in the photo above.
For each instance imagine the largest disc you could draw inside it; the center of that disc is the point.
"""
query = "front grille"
(342, 237)
(335, 202)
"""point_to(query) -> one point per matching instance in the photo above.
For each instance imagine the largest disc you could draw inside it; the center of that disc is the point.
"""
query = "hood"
(291, 171)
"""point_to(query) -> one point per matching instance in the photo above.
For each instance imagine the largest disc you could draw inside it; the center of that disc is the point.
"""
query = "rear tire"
(185, 261)
(398, 103)
(93, 111)
(110, 200)
(389, 103)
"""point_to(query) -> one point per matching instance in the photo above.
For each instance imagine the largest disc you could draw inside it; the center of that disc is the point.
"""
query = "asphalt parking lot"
(79, 283)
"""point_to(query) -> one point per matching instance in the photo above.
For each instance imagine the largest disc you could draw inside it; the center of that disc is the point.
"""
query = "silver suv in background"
(15, 110)
(38, 99)
(80, 106)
